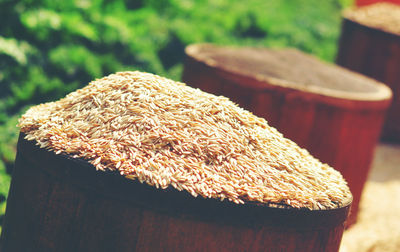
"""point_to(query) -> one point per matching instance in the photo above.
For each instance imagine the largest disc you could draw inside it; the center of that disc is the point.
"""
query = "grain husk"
(168, 135)
(382, 16)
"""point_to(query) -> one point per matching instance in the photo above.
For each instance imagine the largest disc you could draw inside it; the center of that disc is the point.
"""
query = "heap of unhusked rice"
(383, 16)
(167, 134)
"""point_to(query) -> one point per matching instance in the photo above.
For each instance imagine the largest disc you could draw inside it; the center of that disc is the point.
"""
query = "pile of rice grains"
(383, 16)
(166, 134)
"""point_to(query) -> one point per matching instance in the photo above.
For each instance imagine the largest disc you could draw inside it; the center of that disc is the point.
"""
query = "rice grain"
(166, 134)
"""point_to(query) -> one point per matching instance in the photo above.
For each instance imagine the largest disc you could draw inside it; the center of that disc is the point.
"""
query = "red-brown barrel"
(375, 52)
(57, 203)
(335, 114)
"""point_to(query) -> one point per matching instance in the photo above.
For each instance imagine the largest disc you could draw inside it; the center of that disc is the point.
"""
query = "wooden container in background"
(370, 44)
(368, 2)
(339, 122)
(61, 204)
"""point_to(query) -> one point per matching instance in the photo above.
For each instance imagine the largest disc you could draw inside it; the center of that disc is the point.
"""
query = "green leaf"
(18, 50)
(72, 59)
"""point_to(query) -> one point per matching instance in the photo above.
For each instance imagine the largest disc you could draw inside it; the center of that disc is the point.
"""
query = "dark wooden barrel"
(339, 122)
(375, 52)
(57, 203)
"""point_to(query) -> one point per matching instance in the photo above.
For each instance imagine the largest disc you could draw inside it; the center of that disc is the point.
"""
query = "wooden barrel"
(368, 2)
(335, 114)
(373, 49)
(57, 203)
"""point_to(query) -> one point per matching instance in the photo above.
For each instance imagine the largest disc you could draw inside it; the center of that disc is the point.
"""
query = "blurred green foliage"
(51, 47)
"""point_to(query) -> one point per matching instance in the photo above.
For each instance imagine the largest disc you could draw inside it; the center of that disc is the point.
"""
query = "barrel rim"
(260, 82)
(82, 174)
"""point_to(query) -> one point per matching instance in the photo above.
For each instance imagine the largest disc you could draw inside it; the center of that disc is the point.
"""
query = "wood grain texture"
(376, 54)
(62, 204)
(339, 131)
